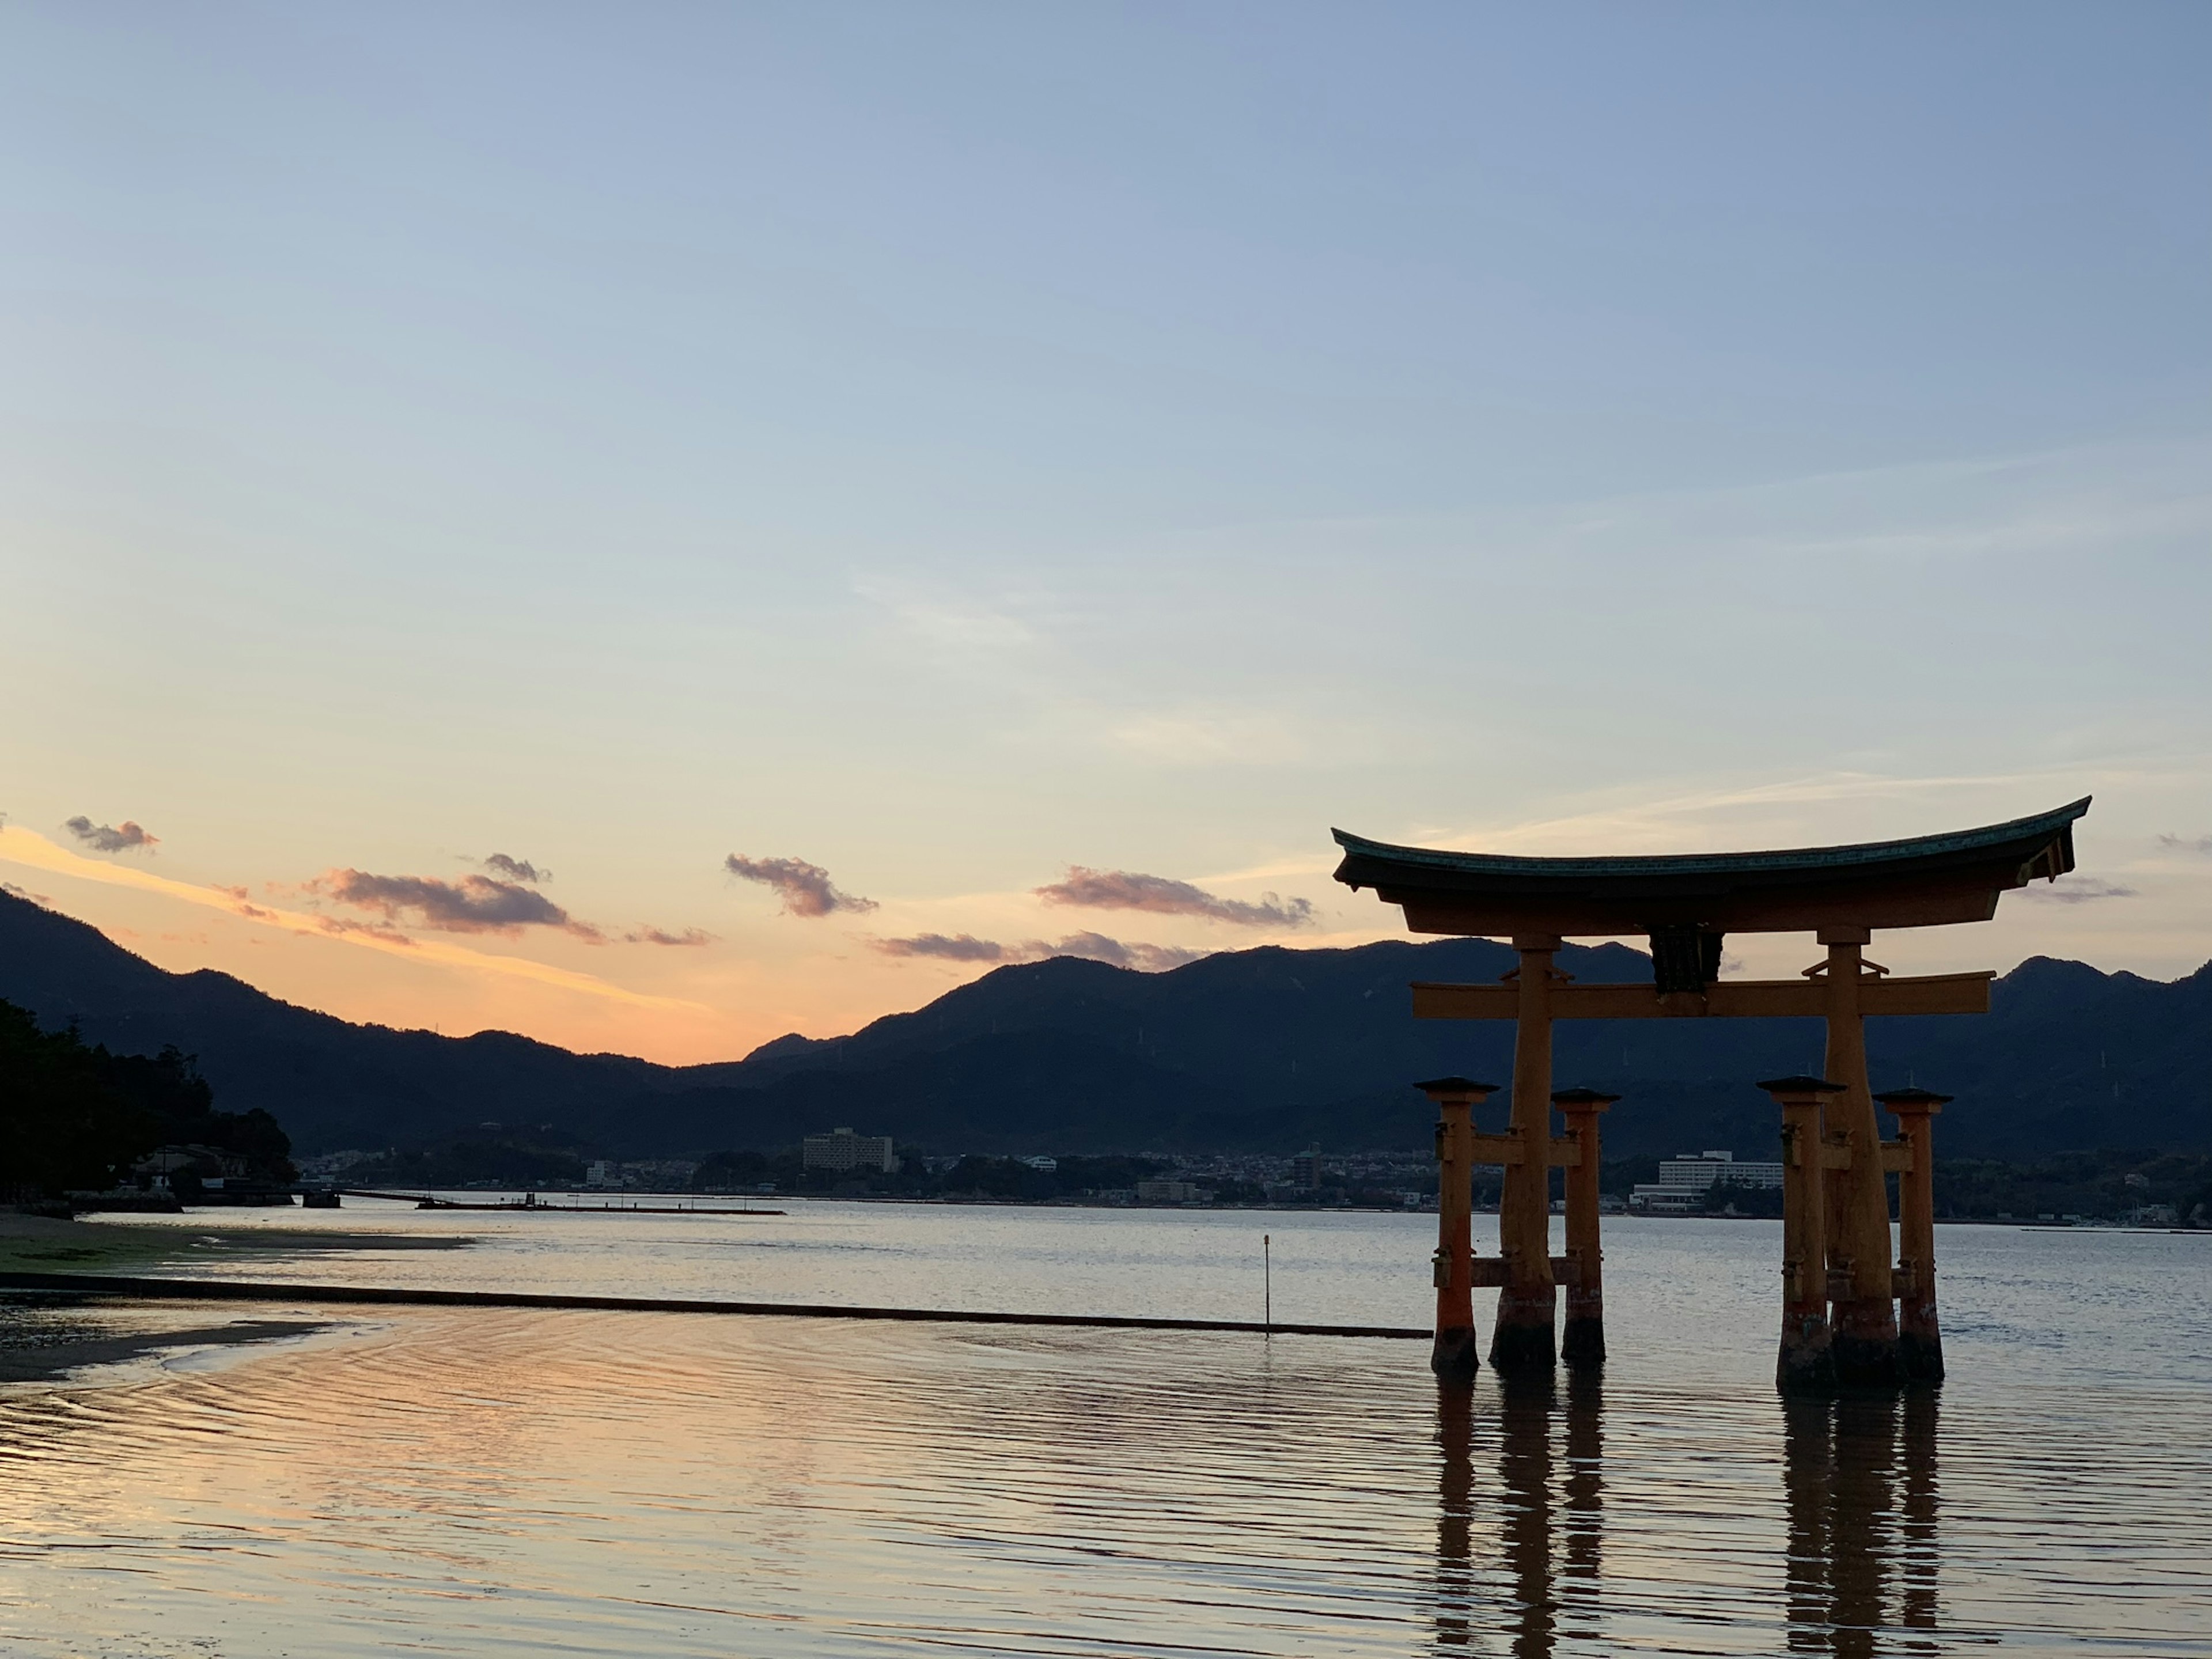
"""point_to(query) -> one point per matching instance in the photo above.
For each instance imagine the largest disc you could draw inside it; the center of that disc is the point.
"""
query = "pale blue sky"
(946, 443)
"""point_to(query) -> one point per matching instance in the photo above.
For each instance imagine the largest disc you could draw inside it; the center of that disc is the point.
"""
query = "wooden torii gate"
(1835, 1159)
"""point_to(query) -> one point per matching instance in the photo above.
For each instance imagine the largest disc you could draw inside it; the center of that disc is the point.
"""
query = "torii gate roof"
(1925, 881)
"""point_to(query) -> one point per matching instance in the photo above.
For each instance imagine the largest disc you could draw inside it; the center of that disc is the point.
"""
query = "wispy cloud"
(123, 837)
(24, 846)
(1091, 947)
(2075, 890)
(516, 869)
(1097, 947)
(946, 947)
(474, 905)
(24, 893)
(2182, 844)
(345, 925)
(1208, 737)
(689, 936)
(805, 888)
(1127, 890)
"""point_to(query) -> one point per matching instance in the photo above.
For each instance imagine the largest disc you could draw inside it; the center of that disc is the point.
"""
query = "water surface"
(474, 1482)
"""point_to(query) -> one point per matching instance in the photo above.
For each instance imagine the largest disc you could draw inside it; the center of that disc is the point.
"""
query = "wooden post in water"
(1863, 1318)
(1524, 1339)
(1919, 1338)
(1806, 1363)
(1581, 1340)
(1455, 1356)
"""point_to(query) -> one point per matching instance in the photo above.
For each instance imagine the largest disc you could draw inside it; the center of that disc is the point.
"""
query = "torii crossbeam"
(1685, 905)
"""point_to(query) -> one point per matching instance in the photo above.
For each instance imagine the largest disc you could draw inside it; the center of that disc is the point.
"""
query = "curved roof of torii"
(1926, 881)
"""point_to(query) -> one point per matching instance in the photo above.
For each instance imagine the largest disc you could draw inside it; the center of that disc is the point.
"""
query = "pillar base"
(1582, 1342)
(1453, 1357)
(1525, 1340)
(1807, 1362)
(1865, 1345)
(1921, 1353)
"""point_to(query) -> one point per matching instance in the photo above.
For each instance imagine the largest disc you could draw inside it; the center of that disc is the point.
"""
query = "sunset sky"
(656, 527)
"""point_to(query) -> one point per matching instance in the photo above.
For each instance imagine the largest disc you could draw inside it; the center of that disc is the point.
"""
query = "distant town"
(2102, 1188)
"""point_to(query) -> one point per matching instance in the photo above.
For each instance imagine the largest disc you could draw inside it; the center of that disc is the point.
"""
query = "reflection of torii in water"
(1840, 1289)
(1859, 1495)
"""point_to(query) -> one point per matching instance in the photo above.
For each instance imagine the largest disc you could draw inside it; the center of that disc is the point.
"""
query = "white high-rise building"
(1683, 1181)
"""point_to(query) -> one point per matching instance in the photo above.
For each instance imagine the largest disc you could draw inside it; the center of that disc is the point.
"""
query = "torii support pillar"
(1581, 1340)
(1919, 1338)
(1863, 1317)
(1453, 1357)
(1807, 1362)
(1528, 1302)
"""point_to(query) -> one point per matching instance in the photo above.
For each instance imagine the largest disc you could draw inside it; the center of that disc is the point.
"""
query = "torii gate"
(1841, 1323)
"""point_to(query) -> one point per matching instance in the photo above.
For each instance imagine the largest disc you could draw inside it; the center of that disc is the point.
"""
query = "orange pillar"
(1806, 1363)
(1919, 1338)
(1863, 1320)
(1582, 1340)
(1527, 1305)
(1454, 1355)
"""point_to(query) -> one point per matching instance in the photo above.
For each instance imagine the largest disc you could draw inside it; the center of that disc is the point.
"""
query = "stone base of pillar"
(1921, 1353)
(1582, 1340)
(1807, 1362)
(1455, 1358)
(1525, 1339)
(1865, 1343)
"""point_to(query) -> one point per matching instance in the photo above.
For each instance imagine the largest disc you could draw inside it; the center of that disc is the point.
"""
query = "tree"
(74, 1117)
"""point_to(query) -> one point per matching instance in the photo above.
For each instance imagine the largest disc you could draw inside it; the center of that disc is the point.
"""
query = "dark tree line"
(74, 1117)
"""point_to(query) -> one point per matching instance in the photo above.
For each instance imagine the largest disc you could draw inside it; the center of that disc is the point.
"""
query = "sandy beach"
(44, 1337)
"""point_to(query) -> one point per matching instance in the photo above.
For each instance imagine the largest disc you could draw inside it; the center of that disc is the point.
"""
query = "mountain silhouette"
(1263, 1049)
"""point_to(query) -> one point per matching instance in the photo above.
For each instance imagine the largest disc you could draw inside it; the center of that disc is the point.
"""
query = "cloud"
(1091, 947)
(241, 904)
(516, 869)
(344, 926)
(25, 893)
(1125, 890)
(661, 936)
(804, 887)
(956, 947)
(1097, 947)
(474, 905)
(21, 846)
(110, 838)
(2075, 889)
(2180, 844)
(1191, 737)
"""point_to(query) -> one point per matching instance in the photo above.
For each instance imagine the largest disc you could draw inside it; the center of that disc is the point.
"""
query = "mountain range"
(1263, 1049)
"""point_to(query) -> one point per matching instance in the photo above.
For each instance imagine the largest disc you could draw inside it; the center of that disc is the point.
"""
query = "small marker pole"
(1268, 1283)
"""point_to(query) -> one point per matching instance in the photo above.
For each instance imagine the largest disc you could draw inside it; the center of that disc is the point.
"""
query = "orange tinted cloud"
(25, 847)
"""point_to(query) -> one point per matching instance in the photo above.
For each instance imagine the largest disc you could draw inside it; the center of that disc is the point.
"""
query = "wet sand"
(40, 1340)
(37, 1244)
(33, 1350)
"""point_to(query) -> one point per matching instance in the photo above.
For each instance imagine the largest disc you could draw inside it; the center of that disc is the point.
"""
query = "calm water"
(581, 1483)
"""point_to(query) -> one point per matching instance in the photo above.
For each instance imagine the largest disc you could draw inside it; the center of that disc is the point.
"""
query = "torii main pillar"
(1524, 1339)
(1863, 1317)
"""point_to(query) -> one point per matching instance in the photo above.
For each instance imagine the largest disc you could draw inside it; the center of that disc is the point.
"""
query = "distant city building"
(600, 1173)
(1169, 1192)
(842, 1152)
(1305, 1169)
(1684, 1181)
(1046, 1165)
